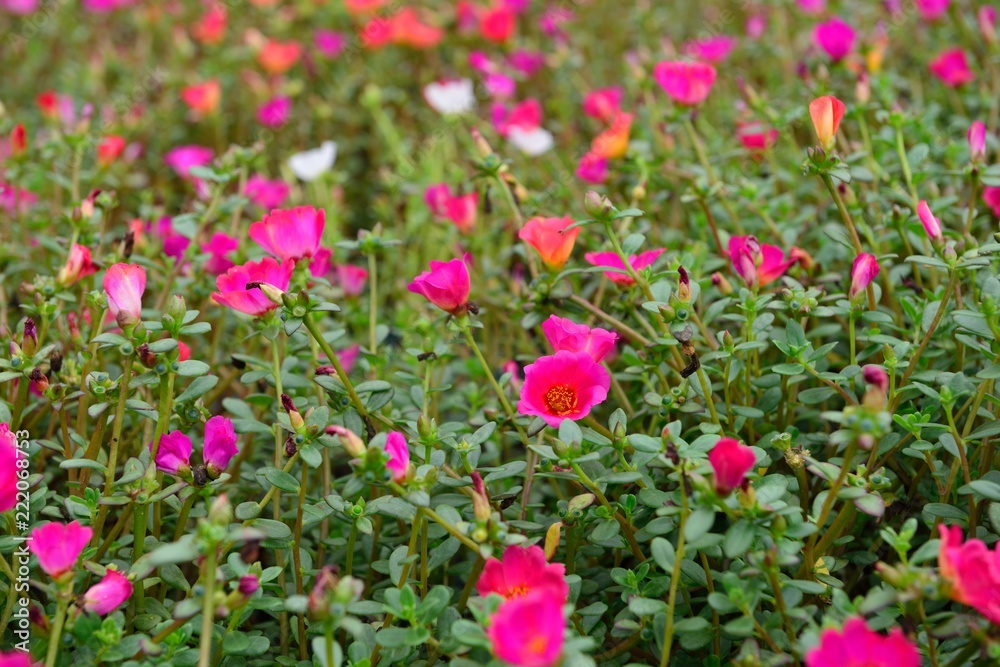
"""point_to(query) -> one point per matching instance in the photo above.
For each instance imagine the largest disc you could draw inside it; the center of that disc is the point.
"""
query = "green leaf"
(663, 553)
(281, 479)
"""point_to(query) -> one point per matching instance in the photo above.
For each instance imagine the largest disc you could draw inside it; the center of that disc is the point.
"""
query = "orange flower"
(613, 142)
(279, 57)
(551, 239)
(826, 113)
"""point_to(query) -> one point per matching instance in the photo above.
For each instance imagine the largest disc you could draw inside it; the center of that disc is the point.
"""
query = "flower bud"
(723, 285)
(294, 416)
(683, 285)
(597, 205)
(351, 443)
(826, 113)
(221, 511)
(552, 539)
(977, 141)
(426, 428)
(177, 308)
(480, 498)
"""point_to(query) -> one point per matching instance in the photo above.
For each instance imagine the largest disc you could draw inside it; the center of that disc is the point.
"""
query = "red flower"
(110, 149)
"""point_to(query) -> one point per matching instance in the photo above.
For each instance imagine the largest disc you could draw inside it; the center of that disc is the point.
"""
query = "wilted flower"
(399, 456)
(551, 238)
(523, 570)
(731, 461)
(446, 285)
(613, 261)
(124, 285)
(687, 83)
(104, 597)
(857, 645)
(564, 334)
(566, 385)
(528, 631)
(58, 546)
(235, 293)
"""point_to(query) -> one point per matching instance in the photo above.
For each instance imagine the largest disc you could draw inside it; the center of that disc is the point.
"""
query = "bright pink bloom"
(290, 233)
(613, 261)
(812, 6)
(756, 137)
(58, 546)
(174, 244)
(525, 116)
(319, 265)
(986, 17)
(174, 453)
(835, 37)
(233, 291)
(527, 63)
(521, 571)
(497, 24)
(459, 209)
(9, 456)
(858, 646)
(219, 247)
(565, 385)
(220, 444)
(17, 658)
(603, 104)
(952, 68)
(977, 141)
(731, 462)
(275, 112)
(551, 238)
(329, 43)
(711, 49)
(499, 85)
(932, 10)
(183, 351)
(399, 456)
(446, 285)
(124, 284)
(972, 572)
(757, 263)
(182, 158)
(687, 83)
(20, 8)
(528, 631)
(351, 279)
(592, 169)
(110, 149)
(104, 597)
(931, 224)
(104, 6)
(266, 193)
(991, 197)
(565, 334)
(756, 26)
(78, 266)
(863, 271)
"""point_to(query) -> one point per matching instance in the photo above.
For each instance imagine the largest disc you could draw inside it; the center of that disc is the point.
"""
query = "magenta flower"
(756, 137)
(564, 334)
(459, 209)
(105, 6)
(219, 247)
(812, 6)
(603, 104)
(758, 264)
(78, 266)
(991, 197)
(522, 571)
(399, 456)
(986, 18)
(528, 631)
(124, 285)
(977, 141)
(932, 10)
(972, 572)
(952, 68)
(931, 224)
(17, 657)
(58, 546)
(731, 462)
(266, 193)
(104, 597)
(856, 645)
(182, 158)
(863, 271)
(275, 112)
(613, 261)
(329, 43)
(351, 279)
(290, 233)
(687, 83)
(592, 169)
(220, 444)
(835, 37)
(711, 49)
(174, 454)
(20, 7)
(9, 456)
(566, 385)
(446, 285)
(319, 265)
(234, 293)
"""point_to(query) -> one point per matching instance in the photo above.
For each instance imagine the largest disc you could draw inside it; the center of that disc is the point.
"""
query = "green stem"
(372, 303)
(208, 610)
(116, 436)
(675, 579)
(55, 639)
(508, 408)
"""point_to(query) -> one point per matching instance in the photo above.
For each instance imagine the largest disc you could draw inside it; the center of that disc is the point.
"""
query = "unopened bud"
(482, 146)
(683, 285)
(552, 539)
(425, 428)
(294, 417)
(30, 341)
(38, 378)
(723, 285)
(274, 294)
(221, 511)
(177, 308)
(351, 443)
(597, 205)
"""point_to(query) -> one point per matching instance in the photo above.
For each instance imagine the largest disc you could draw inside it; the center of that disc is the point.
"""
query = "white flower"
(310, 165)
(451, 97)
(532, 142)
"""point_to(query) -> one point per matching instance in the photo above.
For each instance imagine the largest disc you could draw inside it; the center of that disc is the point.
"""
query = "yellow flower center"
(561, 400)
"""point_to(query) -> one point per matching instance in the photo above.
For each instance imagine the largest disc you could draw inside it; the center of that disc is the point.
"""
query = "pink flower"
(266, 193)
(17, 658)
(592, 169)
(275, 112)
(527, 63)
(551, 238)
(731, 462)
(58, 546)
(399, 456)
(124, 284)
(952, 68)
(459, 209)
(932, 10)
(526, 116)
(863, 271)
(758, 264)
(528, 631)
(812, 6)
(104, 6)
(329, 43)
(603, 104)
(931, 224)
(755, 26)
(756, 137)
(220, 444)
(991, 197)
(10, 454)
(290, 233)
(499, 85)
(564, 334)
(986, 17)
(233, 291)
(446, 285)
(972, 572)
(78, 266)
(351, 279)
(565, 385)
(319, 265)
(522, 571)
(174, 453)
(826, 113)
(182, 158)
(977, 141)
(104, 597)
(687, 83)
(859, 646)
(20, 8)
(613, 261)
(835, 37)
(203, 98)
(711, 49)
(174, 244)
(219, 247)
